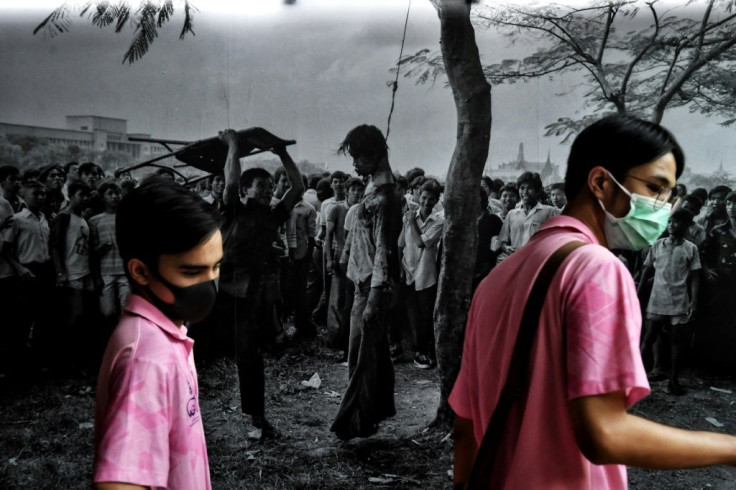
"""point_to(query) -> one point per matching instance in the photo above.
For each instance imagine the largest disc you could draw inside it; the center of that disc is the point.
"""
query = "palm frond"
(145, 32)
(165, 12)
(57, 21)
(187, 27)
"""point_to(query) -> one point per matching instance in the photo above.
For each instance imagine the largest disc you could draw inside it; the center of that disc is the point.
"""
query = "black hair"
(488, 181)
(8, 170)
(159, 217)
(354, 182)
(731, 196)
(701, 193)
(617, 143)
(47, 170)
(30, 174)
(510, 187)
(107, 185)
(324, 189)
(557, 186)
(530, 178)
(212, 177)
(247, 177)
(684, 189)
(719, 189)
(497, 185)
(89, 167)
(483, 199)
(278, 173)
(337, 174)
(417, 182)
(414, 173)
(69, 165)
(364, 140)
(693, 199)
(682, 215)
(431, 186)
(313, 180)
(400, 180)
(77, 186)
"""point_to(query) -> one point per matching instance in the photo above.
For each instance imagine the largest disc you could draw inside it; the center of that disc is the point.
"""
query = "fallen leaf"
(86, 425)
(721, 390)
(422, 381)
(332, 394)
(714, 422)
(314, 382)
(380, 480)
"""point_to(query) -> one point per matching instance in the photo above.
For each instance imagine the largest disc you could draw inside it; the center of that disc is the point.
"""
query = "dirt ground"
(46, 433)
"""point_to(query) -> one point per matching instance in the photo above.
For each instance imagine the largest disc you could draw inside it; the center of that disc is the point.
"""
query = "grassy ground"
(46, 433)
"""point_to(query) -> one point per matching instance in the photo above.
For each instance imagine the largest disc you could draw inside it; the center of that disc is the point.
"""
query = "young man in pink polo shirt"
(573, 430)
(148, 426)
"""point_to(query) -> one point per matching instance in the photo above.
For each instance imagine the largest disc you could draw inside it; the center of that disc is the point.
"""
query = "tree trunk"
(472, 95)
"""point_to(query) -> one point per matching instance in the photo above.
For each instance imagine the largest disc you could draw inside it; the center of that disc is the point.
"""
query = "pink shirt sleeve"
(134, 442)
(603, 324)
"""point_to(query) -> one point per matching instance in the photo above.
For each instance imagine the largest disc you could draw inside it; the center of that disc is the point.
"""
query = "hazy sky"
(308, 72)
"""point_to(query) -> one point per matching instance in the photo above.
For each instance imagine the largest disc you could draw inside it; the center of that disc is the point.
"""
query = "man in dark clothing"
(373, 265)
(250, 234)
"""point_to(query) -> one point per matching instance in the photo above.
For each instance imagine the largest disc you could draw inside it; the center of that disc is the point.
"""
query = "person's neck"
(424, 214)
(216, 195)
(76, 211)
(339, 197)
(109, 210)
(677, 238)
(529, 207)
(585, 209)
(36, 211)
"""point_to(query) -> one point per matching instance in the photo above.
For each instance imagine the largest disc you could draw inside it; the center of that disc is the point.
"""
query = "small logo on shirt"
(192, 407)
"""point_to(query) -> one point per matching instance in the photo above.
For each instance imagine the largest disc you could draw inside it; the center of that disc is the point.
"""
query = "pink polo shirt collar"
(140, 306)
(563, 221)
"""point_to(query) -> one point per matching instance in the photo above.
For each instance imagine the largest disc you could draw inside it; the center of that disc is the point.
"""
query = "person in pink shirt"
(573, 431)
(148, 425)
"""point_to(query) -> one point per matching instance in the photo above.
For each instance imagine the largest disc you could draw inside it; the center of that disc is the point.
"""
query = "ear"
(139, 272)
(598, 182)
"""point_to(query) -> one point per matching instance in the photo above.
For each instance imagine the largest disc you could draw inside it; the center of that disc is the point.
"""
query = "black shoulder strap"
(518, 378)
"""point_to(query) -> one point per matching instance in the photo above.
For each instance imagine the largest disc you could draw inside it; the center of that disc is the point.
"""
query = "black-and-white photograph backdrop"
(478, 105)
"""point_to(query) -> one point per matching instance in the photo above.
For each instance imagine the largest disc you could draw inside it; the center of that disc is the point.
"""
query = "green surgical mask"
(644, 223)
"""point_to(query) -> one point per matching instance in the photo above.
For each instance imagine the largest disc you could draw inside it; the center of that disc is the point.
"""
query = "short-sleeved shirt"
(336, 216)
(350, 218)
(420, 263)
(595, 351)
(326, 207)
(30, 236)
(101, 231)
(250, 232)
(374, 251)
(696, 234)
(148, 425)
(672, 264)
(301, 226)
(76, 247)
(519, 226)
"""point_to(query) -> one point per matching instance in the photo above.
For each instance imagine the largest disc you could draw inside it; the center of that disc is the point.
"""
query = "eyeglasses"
(663, 193)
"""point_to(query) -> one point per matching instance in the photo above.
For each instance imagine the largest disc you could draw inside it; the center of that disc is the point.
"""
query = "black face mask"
(191, 304)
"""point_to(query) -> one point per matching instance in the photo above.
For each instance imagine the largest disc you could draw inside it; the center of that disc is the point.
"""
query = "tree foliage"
(635, 56)
(146, 20)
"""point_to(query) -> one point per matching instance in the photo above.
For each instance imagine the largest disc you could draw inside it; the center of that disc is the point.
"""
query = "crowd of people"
(59, 248)
(356, 258)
